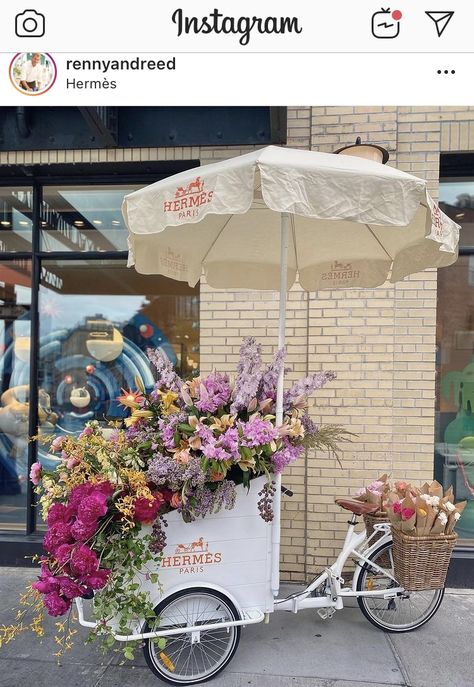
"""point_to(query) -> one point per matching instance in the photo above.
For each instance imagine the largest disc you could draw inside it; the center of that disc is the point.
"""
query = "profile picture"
(33, 73)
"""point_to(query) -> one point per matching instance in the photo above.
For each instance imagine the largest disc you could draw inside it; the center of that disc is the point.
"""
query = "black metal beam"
(102, 122)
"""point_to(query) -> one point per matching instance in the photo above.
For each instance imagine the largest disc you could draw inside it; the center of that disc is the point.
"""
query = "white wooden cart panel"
(231, 550)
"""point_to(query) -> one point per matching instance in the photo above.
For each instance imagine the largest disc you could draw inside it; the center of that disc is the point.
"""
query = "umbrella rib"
(215, 240)
(379, 242)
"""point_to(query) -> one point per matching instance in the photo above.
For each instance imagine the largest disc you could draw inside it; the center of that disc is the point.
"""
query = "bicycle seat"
(357, 507)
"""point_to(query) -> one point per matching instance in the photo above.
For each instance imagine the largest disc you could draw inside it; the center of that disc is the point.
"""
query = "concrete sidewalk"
(292, 651)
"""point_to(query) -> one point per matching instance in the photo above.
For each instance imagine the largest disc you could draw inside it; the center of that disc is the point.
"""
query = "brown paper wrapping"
(438, 527)
(408, 526)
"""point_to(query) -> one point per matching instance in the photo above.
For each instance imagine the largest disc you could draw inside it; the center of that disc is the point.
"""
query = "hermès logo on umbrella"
(188, 199)
(192, 557)
(341, 271)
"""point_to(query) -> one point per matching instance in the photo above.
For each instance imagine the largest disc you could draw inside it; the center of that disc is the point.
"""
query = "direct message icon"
(386, 23)
(441, 20)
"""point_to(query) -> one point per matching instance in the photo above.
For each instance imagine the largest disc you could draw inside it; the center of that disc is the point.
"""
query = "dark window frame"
(145, 173)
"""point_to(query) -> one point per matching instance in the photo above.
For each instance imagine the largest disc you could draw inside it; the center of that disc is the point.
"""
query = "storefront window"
(16, 207)
(97, 320)
(15, 299)
(454, 457)
(84, 218)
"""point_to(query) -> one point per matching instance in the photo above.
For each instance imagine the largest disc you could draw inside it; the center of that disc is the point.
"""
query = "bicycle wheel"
(402, 614)
(189, 659)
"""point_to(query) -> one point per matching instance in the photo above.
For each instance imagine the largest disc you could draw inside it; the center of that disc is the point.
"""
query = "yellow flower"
(136, 416)
(167, 399)
(222, 423)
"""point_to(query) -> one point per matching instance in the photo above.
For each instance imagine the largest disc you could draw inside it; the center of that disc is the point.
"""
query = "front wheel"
(401, 614)
(191, 658)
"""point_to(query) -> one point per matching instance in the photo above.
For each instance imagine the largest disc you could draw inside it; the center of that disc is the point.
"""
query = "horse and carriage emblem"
(199, 545)
(196, 186)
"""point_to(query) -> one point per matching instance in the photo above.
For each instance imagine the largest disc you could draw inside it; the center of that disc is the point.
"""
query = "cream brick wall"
(380, 341)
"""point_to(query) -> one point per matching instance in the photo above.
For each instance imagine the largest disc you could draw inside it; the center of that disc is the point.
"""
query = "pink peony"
(84, 561)
(69, 588)
(407, 513)
(82, 531)
(397, 507)
(59, 533)
(59, 513)
(86, 432)
(98, 579)
(57, 443)
(47, 582)
(35, 473)
(63, 553)
(56, 605)
(72, 462)
(146, 510)
(80, 492)
(93, 507)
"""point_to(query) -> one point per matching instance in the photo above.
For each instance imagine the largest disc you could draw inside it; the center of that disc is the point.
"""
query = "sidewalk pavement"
(291, 651)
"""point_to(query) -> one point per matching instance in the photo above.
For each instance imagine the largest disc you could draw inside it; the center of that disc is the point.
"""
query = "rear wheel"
(401, 614)
(191, 658)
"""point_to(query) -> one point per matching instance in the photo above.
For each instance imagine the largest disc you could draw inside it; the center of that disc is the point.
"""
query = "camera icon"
(29, 23)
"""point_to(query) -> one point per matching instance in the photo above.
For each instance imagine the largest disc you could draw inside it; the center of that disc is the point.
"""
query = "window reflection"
(454, 459)
(15, 299)
(97, 319)
(16, 207)
(84, 218)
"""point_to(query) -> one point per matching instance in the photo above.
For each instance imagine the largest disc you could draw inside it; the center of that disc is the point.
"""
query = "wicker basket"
(371, 519)
(422, 563)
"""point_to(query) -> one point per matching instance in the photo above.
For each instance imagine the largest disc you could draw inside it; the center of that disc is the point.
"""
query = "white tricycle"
(220, 573)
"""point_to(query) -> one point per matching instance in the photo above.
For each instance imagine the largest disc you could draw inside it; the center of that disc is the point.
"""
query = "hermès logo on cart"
(192, 557)
(340, 272)
(189, 199)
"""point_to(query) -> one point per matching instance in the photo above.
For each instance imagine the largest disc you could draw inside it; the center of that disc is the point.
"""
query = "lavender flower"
(214, 391)
(286, 455)
(249, 374)
(166, 376)
(309, 426)
(304, 387)
(257, 432)
(166, 471)
(208, 501)
(268, 383)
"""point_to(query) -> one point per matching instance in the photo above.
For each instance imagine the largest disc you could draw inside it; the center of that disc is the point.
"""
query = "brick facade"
(381, 342)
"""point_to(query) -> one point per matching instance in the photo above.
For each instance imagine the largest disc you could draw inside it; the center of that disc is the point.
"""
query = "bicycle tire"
(371, 615)
(160, 670)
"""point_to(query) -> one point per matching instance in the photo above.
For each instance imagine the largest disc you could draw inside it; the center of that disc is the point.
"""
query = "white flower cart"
(215, 578)
(343, 222)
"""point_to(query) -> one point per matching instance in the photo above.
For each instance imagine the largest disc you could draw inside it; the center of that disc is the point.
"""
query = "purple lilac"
(167, 428)
(166, 376)
(214, 391)
(268, 384)
(194, 474)
(309, 426)
(257, 432)
(166, 470)
(211, 501)
(249, 374)
(286, 455)
(306, 386)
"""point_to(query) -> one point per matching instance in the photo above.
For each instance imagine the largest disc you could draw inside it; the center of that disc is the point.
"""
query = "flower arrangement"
(376, 492)
(424, 511)
(184, 447)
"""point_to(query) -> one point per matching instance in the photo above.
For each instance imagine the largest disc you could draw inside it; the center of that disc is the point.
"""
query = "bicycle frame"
(335, 591)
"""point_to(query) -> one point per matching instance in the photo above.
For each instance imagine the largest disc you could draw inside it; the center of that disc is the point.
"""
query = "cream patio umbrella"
(259, 220)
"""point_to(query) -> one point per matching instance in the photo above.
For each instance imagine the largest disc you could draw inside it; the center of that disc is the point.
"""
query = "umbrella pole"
(285, 237)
